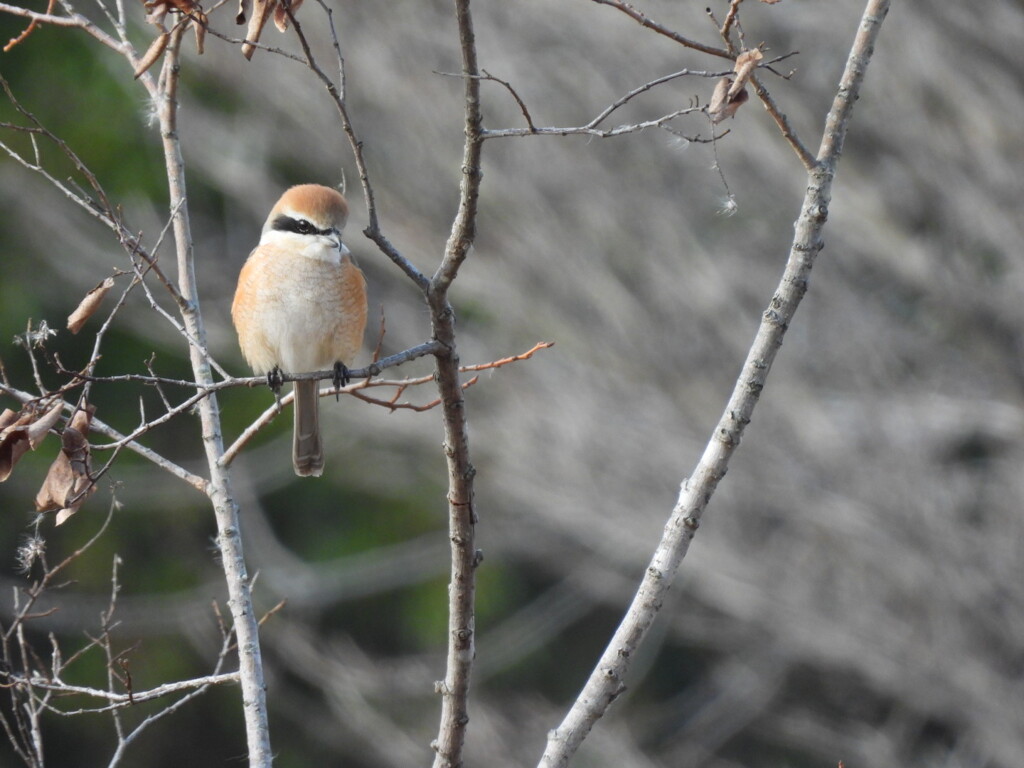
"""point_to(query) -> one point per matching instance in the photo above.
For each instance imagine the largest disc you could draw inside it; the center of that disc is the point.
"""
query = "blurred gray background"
(856, 590)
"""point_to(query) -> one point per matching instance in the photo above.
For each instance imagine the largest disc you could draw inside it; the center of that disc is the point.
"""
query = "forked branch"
(462, 516)
(607, 681)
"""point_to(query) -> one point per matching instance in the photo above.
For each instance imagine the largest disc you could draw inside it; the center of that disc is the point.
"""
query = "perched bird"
(300, 305)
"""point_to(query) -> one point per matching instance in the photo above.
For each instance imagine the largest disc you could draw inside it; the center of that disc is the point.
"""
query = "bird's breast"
(300, 310)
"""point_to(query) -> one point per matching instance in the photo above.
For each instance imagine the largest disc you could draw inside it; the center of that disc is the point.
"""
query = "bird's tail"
(307, 448)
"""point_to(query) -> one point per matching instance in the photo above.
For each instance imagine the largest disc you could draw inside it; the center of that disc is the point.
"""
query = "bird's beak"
(335, 236)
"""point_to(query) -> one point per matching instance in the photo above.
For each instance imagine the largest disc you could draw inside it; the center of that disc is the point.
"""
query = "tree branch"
(607, 680)
(587, 130)
(118, 700)
(454, 689)
(337, 94)
(97, 425)
(254, 694)
(643, 20)
(788, 132)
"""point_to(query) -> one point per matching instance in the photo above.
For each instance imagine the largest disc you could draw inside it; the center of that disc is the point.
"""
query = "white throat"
(319, 247)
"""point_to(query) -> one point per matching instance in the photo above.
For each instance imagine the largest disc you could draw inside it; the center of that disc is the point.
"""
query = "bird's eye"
(303, 227)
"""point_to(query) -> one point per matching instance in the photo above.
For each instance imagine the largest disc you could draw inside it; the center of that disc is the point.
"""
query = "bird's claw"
(275, 381)
(340, 378)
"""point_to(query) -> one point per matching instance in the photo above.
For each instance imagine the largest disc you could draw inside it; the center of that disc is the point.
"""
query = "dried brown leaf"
(261, 12)
(156, 13)
(185, 7)
(68, 484)
(157, 10)
(746, 63)
(281, 15)
(41, 426)
(200, 29)
(94, 298)
(13, 442)
(724, 102)
(21, 432)
(7, 418)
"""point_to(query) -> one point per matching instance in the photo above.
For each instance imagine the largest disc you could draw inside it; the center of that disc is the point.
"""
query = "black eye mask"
(284, 223)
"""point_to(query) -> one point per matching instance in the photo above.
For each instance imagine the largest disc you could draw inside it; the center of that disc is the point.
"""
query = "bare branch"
(788, 132)
(337, 94)
(74, 20)
(591, 128)
(254, 694)
(462, 517)
(96, 425)
(512, 91)
(28, 30)
(101, 208)
(117, 700)
(645, 21)
(584, 130)
(606, 682)
(356, 390)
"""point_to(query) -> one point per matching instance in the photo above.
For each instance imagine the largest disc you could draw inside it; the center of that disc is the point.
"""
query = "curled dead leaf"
(745, 65)
(7, 418)
(13, 441)
(200, 33)
(261, 11)
(153, 54)
(158, 9)
(724, 102)
(68, 484)
(21, 432)
(156, 13)
(94, 298)
(41, 426)
(281, 15)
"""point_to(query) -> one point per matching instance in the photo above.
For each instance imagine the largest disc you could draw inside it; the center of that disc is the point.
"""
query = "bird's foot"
(340, 378)
(274, 381)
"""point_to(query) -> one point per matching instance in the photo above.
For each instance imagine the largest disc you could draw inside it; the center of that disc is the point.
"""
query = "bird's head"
(309, 213)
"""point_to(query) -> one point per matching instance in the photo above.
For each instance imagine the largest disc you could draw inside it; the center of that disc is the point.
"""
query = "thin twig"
(28, 30)
(591, 128)
(357, 390)
(337, 94)
(645, 21)
(101, 333)
(120, 700)
(34, 592)
(788, 132)
(72, 20)
(512, 91)
(730, 19)
(101, 209)
(98, 426)
(609, 133)
(367, 371)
